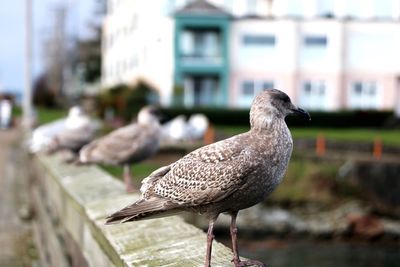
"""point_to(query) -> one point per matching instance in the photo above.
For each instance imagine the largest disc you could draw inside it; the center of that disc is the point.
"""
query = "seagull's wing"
(206, 175)
(75, 138)
(116, 146)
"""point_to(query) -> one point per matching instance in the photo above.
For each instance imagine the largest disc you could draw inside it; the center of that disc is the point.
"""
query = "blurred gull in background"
(179, 129)
(175, 129)
(55, 135)
(126, 145)
(79, 130)
(197, 126)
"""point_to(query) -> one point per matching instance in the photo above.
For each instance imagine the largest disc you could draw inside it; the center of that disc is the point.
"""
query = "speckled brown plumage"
(226, 176)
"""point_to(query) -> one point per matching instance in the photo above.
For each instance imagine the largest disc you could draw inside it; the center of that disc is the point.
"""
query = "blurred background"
(339, 204)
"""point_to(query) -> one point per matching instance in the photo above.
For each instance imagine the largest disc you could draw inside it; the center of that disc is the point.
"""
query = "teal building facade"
(201, 54)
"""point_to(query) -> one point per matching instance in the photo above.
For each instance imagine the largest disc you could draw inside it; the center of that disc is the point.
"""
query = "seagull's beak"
(301, 112)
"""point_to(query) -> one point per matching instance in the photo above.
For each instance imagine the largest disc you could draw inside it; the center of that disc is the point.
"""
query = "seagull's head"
(271, 104)
(149, 115)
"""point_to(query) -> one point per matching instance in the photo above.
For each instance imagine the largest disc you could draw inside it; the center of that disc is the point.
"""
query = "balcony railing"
(201, 60)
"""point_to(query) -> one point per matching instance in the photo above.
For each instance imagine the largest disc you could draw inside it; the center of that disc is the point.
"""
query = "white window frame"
(245, 100)
(317, 96)
(368, 96)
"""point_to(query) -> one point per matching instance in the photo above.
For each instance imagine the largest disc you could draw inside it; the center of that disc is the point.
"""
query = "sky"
(12, 15)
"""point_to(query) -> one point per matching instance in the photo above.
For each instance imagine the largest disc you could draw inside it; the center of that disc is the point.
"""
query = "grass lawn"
(46, 115)
(314, 182)
(139, 171)
(390, 137)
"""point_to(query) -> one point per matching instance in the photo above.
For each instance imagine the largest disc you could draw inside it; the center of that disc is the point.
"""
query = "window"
(354, 9)
(314, 87)
(133, 22)
(228, 5)
(201, 44)
(258, 40)
(133, 61)
(307, 88)
(313, 95)
(109, 72)
(316, 41)
(124, 66)
(314, 51)
(357, 88)
(267, 85)
(168, 7)
(295, 8)
(250, 88)
(252, 7)
(383, 9)
(364, 95)
(364, 88)
(326, 8)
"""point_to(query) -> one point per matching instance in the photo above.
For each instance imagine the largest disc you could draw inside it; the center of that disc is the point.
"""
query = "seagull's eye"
(285, 99)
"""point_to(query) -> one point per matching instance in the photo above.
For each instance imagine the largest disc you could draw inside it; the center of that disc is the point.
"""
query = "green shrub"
(340, 119)
(126, 100)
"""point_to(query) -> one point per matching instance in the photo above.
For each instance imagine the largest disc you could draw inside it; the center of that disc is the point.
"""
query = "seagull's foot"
(239, 263)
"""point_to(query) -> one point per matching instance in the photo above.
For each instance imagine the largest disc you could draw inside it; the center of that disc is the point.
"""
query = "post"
(27, 96)
(320, 146)
(378, 148)
(209, 136)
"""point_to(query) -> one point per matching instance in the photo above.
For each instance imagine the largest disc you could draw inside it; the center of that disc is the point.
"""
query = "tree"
(43, 95)
(89, 56)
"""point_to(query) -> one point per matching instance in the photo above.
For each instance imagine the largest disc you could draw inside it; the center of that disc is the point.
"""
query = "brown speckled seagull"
(224, 177)
(127, 145)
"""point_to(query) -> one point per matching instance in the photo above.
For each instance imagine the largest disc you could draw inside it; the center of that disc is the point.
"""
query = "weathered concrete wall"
(71, 205)
(381, 183)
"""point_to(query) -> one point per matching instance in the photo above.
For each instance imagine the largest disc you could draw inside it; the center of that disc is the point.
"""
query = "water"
(310, 254)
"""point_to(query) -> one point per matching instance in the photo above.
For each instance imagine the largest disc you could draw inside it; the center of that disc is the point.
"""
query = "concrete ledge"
(71, 204)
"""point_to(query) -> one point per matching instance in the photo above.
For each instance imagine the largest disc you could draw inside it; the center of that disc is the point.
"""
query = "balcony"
(201, 48)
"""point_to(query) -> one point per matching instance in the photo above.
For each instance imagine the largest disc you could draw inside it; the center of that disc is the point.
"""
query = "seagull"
(43, 137)
(79, 130)
(178, 129)
(126, 145)
(223, 177)
(197, 126)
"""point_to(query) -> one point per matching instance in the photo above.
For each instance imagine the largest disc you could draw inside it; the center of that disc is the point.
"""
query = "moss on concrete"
(86, 195)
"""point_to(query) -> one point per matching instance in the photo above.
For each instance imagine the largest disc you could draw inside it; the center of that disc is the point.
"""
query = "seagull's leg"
(210, 238)
(236, 259)
(233, 229)
(128, 179)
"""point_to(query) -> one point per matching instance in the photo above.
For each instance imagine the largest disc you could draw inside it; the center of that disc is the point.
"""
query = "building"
(138, 44)
(202, 36)
(326, 54)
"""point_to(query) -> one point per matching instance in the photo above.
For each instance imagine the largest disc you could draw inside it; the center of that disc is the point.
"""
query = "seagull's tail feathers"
(144, 209)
